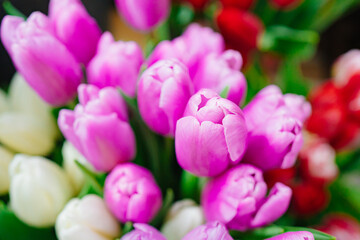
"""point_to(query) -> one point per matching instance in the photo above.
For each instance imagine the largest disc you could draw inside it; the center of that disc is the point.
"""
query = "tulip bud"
(341, 226)
(99, 128)
(132, 194)
(45, 62)
(240, 29)
(192, 46)
(301, 235)
(183, 217)
(143, 15)
(39, 189)
(218, 72)
(164, 89)
(239, 4)
(237, 198)
(86, 218)
(198, 5)
(116, 64)
(75, 174)
(143, 232)
(5, 159)
(211, 136)
(209, 231)
(75, 28)
(297, 106)
(275, 144)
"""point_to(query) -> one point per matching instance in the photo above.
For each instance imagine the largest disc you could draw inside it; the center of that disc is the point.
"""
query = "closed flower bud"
(275, 123)
(345, 67)
(239, 4)
(301, 235)
(183, 217)
(198, 5)
(27, 125)
(75, 28)
(143, 15)
(238, 199)
(221, 72)
(99, 128)
(164, 89)
(116, 64)
(143, 232)
(211, 136)
(39, 189)
(86, 218)
(132, 194)
(75, 174)
(5, 159)
(190, 48)
(209, 231)
(43, 60)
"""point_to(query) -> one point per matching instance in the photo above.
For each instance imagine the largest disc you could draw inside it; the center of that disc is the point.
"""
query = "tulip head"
(143, 232)
(116, 64)
(86, 218)
(39, 189)
(164, 89)
(98, 127)
(211, 136)
(143, 15)
(132, 194)
(210, 231)
(237, 198)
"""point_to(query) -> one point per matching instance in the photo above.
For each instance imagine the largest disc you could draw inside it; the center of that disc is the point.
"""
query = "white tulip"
(25, 133)
(70, 154)
(39, 189)
(26, 123)
(87, 218)
(5, 158)
(183, 217)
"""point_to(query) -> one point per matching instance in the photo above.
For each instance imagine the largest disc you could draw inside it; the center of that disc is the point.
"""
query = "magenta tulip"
(143, 232)
(143, 15)
(221, 73)
(116, 64)
(132, 194)
(190, 48)
(238, 199)
(164, 89)
(209, 231)
(43, 60)
(99, 128)
(211, 136)
(75, 28)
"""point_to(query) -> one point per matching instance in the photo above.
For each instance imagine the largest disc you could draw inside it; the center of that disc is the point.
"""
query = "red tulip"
(239, 4)
(240, 30)
(309, 199)
(341, 226)
(198, 4)
(348, 136)
(285, 176)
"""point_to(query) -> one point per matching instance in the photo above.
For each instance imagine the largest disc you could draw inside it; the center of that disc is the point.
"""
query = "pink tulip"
(237, 198)
(209, 231)
(99, 128)
(116, 64)
(164, 89)
(301, 235)
(132, 194)
(143, 232)
(211, 136)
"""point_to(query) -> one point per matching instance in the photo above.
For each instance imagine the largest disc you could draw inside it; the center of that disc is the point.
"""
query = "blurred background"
(341, 36)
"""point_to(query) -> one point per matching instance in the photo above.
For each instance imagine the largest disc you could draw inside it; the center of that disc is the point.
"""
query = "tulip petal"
(235, 136)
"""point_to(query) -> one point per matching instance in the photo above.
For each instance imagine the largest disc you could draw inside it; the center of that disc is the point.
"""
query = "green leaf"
(225, 92)
(317, 234)
(11, 10)
(94, 183)
(159, 218)
(11, 228)
(291, 43)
